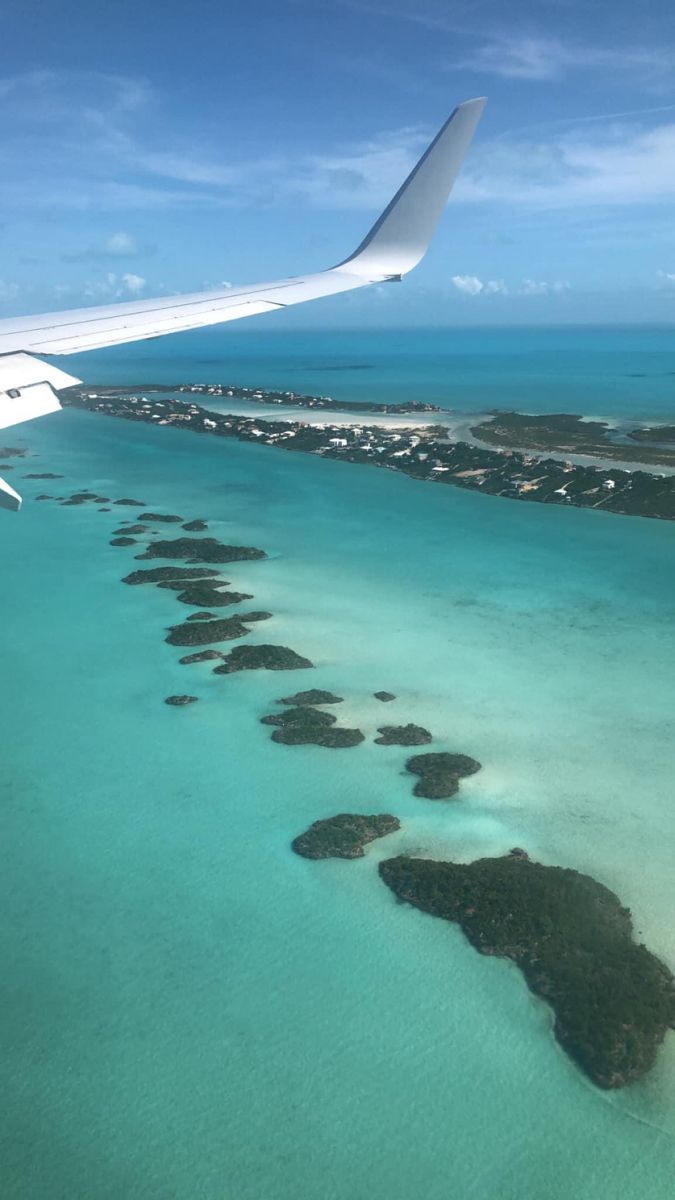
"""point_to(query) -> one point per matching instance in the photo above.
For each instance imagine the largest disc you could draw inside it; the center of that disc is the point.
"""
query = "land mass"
(570, 936)
(232, 391)
(570, 433)
(344, 836)
(424, 453)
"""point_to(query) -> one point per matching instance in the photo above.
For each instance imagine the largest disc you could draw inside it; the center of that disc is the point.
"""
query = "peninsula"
(424, 453)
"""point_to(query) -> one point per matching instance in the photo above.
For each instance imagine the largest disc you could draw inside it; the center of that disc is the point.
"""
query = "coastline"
(422, 452)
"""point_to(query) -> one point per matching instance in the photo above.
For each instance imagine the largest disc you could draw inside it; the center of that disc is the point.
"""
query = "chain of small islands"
(613, 1000)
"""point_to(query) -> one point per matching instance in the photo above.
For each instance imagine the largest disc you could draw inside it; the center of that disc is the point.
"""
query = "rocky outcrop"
(343, 836)
(256, 658)
(403, 735)
(440, 773)
(195, 526)
(200, 656)
(313, 735)
(153, 518)
(164, 574)
(201, 550)
(312, 696)
(123, 541)
(300, 717)
(200, 633)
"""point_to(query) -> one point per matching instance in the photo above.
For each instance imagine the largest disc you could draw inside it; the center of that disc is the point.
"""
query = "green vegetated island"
(613, 1000)
(568, 433)
(426, 453)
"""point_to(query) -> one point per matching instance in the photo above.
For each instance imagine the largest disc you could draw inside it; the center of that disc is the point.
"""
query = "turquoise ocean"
(191, 1011)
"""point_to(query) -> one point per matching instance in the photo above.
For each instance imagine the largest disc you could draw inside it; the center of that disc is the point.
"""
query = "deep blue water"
(613, 372)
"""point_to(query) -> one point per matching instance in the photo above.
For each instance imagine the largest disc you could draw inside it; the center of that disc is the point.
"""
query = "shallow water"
(193, 1011)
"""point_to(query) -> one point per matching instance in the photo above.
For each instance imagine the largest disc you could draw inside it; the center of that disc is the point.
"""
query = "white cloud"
(666, 278)
(115, 287)
(535, 57)
(8, 291)
(120, 245)
(540, 287)
(614, 164)
(471, 285)
(117, 245)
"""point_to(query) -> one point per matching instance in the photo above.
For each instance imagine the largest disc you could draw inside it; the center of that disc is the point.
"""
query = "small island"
(439, 774)
(209, 595)
(257, 658)
(164, 574)
(573, 941)
(343, 836)
(306, 726)
(403, 735)
(313, 696)
(201, 550)
(153, 518)
(181, 701)
(200, 633)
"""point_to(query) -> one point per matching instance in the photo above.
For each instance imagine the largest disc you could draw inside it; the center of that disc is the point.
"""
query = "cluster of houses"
(424, 453)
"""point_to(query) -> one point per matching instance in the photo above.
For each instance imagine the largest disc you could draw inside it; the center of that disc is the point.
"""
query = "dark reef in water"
(42, 475)
(315, 735)
(200, 656)
(300, 718)
(130, 503)
(201, 550)
(440, 773)
(180, 701)
(385, 697)
(570, 936)
(403, 735)
(123, 541)
(124, 530)
(202, 616)
(266, 657)
(162, 574)
(305, 726)
(313, 696)
(207, 594)
(153, 518)
(200, 633)
(344, 836)
(195, 526)
(12, 452)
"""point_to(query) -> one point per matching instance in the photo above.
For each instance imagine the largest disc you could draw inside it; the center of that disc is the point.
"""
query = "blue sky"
(152, 147)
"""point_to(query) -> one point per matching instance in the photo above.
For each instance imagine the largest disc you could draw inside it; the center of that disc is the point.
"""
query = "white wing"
(395, 244)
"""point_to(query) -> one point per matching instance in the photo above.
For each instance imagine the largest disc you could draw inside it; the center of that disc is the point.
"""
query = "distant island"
(423, 453)
(231, 391)
(569, 433)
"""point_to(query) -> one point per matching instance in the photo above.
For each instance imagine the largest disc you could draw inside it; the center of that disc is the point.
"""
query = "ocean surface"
(192, 1012)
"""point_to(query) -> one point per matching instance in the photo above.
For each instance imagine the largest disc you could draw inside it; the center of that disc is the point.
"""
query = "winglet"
(400, 238)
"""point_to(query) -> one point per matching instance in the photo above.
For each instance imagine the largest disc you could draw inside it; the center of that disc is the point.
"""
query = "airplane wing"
(395, 244)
